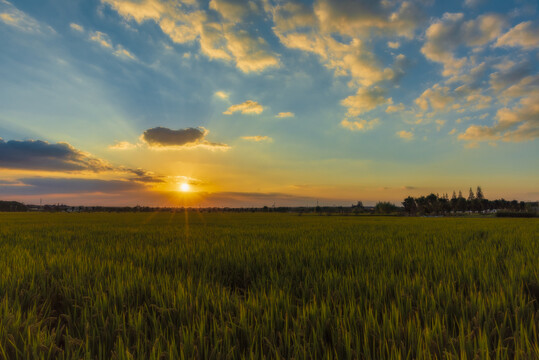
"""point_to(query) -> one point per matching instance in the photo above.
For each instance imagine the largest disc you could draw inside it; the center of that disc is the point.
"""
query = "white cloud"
(21, 21)
(519, 123)
(101, 38)
(76, 27)
(247, 107)
(393, 44)
(185, 22)
(395, 108)
(222, 95)
(359, 125)
(231, 10)
(364, 100)
(257, 138)
(123, 145)
(445, 35)
(438, 97)
(339, 33)
(104, 41)
(524, 35)
(285, 114)
(406, 135)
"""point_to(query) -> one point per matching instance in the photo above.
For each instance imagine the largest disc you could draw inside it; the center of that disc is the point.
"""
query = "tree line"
(435, 204)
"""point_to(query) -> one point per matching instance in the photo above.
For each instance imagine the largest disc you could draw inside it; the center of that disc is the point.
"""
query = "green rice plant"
(245, 286)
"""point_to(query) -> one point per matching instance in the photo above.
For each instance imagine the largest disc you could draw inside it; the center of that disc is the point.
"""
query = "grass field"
(219, 286)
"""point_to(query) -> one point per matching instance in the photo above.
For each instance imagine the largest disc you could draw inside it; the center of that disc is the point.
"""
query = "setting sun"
(184, 187)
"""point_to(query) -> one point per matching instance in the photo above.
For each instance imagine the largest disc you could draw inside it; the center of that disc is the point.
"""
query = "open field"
(233, 286)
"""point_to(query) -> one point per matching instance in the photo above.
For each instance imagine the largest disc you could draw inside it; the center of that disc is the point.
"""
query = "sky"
(253, 103)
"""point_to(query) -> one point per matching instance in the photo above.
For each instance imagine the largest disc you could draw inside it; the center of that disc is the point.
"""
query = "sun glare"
(185, 187)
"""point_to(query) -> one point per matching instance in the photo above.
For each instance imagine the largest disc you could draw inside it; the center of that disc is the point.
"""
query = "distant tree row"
(438, 205)
(12, 206)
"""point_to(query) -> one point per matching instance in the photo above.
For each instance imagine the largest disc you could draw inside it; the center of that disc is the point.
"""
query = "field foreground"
(153, 286)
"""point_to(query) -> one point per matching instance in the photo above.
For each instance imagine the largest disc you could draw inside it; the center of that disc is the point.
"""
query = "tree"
(471, 195)
(385, 208)
(432, 201)
(461, 202)
(422, 205)
(409, 205)
(479, 193)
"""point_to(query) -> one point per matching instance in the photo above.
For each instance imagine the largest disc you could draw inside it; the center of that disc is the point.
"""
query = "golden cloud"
(247, 107)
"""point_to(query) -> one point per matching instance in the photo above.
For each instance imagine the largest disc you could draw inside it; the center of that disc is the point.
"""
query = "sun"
(184, 187)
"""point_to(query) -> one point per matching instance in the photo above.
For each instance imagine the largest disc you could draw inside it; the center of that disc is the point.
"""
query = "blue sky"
(252, 102)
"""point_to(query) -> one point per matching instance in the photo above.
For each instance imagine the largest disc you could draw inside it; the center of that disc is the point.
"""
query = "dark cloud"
(161, 136)
(41, 155)
(144, 176)
(188, 137)
(43, 186)
(511, 73)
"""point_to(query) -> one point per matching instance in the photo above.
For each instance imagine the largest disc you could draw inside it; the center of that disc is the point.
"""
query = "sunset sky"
(120, 102)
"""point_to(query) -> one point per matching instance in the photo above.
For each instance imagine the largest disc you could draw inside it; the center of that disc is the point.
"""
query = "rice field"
(251, 286)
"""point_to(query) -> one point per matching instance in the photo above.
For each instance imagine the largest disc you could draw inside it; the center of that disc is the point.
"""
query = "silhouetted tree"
(479, 193)
(461, 202)
(385, 208)
(471, 196)
(409, 205)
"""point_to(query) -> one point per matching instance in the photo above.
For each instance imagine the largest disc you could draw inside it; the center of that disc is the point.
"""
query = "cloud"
(445, 35)
(393, 44)
(21, 21)
(516, 124)
(359, 125)
(231, 10)
(185, 22)
(439, 124)
(406, 135)
(44, 186)
(510, 73)
(524, 35)
(247, 107)
(358, 17)
(395, 108)
(340, 34)
(165, 138)
(41, 155)
(104, 41)
(285, 114)
(250, 54)
(143, 176)
(257, 138)
(437, 97)
(123, 145)
(76, 27)
(364, 100)
(37, 155)
(222, 95)
(101, 38)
